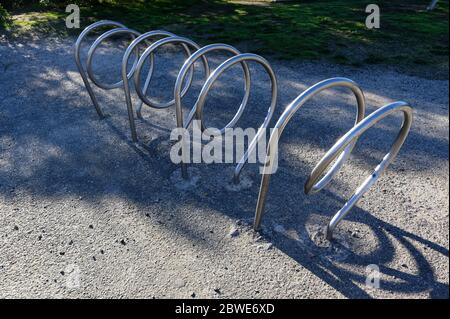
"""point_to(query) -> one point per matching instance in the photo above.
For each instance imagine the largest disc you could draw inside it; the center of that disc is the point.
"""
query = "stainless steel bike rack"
(210, 78)
(197, 110)
(148, 53)
(187, 70)
(87, 73)
(339, 152)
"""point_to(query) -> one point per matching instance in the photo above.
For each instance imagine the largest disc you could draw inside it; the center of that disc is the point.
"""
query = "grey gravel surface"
(85, 213)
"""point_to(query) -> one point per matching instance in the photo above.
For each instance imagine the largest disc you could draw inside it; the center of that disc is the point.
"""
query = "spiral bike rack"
(319, 177)
(187, 70)
(197, 110)
(148, 53)
(88, 74)
(210, 78)
(339, 152)
(84, 73)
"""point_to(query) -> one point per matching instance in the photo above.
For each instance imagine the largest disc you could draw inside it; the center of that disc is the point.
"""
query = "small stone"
(405, 266)
(279, 229)
(355, 234)
(16, 228)
(91, 226)
(179, 283)
(217, 291)
(123, 242)
(193, 295)
(234, 232)
(266, 246)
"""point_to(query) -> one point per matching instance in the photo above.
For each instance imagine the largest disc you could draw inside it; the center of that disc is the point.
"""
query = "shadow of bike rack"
(338, 154)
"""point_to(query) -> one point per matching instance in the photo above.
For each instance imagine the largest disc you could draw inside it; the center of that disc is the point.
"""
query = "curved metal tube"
(182, 75)
(352, 136)
(125, 76)
(336, 151)
(191, 60)
(302, 99)
(339, 153)
(77, 48)
(93, 48)
(137, 78)
(284, 119)
(209, 83)
(137, 38)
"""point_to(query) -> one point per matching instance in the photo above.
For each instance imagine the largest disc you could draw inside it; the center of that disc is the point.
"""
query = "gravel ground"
(85, 213)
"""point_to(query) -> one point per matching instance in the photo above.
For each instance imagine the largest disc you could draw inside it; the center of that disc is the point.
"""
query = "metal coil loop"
(186, 43)
(138, 41)
(77, 48)
(350, 138)
(94, 47)
(340, 151)
(321, 175)
(186, 66)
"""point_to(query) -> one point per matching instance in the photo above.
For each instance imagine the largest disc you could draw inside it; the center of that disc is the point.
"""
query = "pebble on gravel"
(234, 232)
(179, 283)
(279, 229)
(266, 246)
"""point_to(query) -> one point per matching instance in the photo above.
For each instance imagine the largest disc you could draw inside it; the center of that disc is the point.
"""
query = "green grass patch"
(5, 19)
(333, 30)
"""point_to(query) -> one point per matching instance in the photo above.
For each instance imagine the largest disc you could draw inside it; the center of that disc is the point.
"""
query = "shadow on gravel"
(54, 146)
(331, 261)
